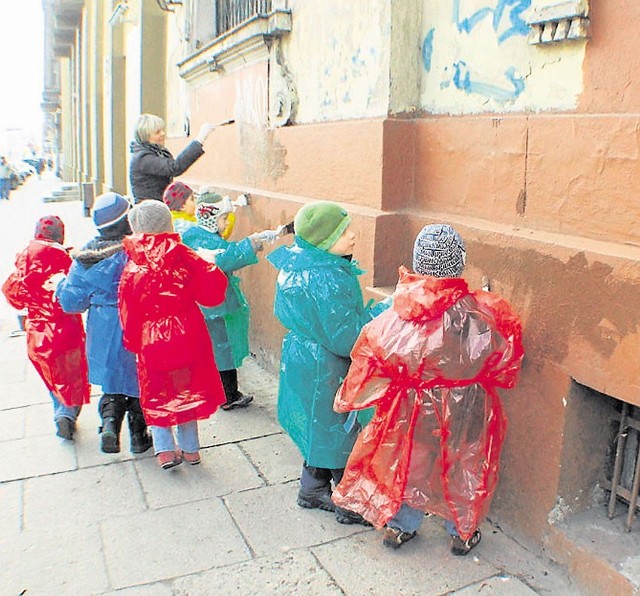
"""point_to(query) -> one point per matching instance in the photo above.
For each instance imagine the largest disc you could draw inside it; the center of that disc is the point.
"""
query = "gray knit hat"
(439, 252)
(150, 217)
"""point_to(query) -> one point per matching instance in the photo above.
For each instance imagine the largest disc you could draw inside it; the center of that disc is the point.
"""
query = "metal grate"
(625, 483)
(231, 13)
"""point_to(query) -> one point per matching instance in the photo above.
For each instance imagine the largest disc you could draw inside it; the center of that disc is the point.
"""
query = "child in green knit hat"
(319, 300)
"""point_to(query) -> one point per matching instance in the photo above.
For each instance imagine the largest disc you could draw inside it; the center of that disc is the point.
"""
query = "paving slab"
(223, 470)
(21, 394)
(422, 566)
(511, 558)
(85, 496)
(236, 425)
(60, 562)
(155, 589)
(36, 456)
(500, 585)
(294, 572)
(272, 522)
(12, 424)
(276, 458)
(171, 542)
(11, 510)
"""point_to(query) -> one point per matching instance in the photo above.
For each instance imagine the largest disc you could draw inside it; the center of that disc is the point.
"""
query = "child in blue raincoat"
(92, 284)
(319, 300)
(228, 324)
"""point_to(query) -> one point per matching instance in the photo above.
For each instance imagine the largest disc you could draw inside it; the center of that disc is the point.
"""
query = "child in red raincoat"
(160, 290)
(431, 365)
(55, 339)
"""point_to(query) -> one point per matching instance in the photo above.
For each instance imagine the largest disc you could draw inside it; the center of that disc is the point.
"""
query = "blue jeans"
(186, 437)
(409, 519)
(62, 411)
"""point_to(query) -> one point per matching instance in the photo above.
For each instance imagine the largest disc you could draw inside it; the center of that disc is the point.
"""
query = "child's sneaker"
(344, 516)
(242, 401)
(65, 428)
(395, 538)
(168, 459)
(192, 459)
(460, 547)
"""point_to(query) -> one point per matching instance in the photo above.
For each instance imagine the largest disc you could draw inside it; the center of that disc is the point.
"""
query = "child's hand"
(268, 236)
(205, 130)
(52, 283)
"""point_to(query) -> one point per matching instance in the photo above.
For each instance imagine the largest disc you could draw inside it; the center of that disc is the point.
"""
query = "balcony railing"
(231, 13)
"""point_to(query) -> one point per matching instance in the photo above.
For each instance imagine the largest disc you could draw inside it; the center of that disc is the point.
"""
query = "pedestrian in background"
(161, 287)
(152, 166)
(431, 365)
(228, 324)
(319, 300)
(55, 339)
(5, 178)
(92, 285)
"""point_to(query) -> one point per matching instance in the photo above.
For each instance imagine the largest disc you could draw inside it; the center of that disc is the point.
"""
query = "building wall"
(413, 112)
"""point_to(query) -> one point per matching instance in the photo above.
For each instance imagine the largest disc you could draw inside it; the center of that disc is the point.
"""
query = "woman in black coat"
(152, 166)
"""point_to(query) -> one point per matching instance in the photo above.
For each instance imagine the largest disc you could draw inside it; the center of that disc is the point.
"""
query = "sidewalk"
(76, 521)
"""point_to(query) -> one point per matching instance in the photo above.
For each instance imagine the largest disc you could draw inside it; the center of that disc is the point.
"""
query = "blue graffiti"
(514, 8)
(427, 49)
(462, 80)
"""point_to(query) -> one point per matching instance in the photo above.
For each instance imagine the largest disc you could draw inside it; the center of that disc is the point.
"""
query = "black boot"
(140, 437)
(112, 408)
(235, 398)
(315, 488)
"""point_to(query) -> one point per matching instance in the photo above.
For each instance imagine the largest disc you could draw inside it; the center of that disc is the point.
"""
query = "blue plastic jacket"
(228, 324)
(92, 284)
(318, 298)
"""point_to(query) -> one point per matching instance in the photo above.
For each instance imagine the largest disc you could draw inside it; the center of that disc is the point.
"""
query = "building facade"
(515, 121)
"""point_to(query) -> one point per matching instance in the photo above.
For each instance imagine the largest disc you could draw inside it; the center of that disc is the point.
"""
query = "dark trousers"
(316, 480)
(230, 383)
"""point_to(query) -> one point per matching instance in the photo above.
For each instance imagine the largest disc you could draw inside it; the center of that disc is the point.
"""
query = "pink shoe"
(191, 458)
(168, 459)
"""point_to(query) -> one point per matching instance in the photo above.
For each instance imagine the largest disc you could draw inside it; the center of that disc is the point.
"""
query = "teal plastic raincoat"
(318, 298)
(228, 324)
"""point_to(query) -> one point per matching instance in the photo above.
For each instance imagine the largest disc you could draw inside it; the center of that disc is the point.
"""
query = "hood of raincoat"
(95, 251)
(302, 255)
(156, 251)
(423, 298)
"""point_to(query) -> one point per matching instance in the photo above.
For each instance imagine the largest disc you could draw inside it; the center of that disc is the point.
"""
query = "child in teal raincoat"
(228, 324)
(319, 300)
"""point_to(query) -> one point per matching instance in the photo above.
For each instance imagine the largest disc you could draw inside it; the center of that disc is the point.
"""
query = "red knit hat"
(176, 195)
(50, 227)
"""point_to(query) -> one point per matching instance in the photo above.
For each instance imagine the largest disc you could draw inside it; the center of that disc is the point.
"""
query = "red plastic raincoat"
(160, 289)
(431, 365)
(55, 339)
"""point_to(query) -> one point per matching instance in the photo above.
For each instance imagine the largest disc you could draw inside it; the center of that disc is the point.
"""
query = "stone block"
(255, 513)
(499, 585)
(11, 510)
(294, 572)
(60, 561)
(276, 457)
(83, 497)
(223, 470)
(171, 542)
(36, 456)
(236, 425)
(12, 424)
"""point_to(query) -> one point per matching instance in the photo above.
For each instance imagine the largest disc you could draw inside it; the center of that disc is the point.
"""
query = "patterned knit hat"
(321, 223)
(50, 227)
(151, 217)
(176, 195)
(109, 209)
(209, 207)
(439, 252)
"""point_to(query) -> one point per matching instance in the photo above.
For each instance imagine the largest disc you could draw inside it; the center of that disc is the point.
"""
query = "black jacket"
(152, 168)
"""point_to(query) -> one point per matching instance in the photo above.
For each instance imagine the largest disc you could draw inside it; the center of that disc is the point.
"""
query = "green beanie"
(321, 223)
(208, 195)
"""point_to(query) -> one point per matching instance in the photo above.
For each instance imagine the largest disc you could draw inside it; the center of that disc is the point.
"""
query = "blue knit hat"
(109, 209)
(439, 252)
